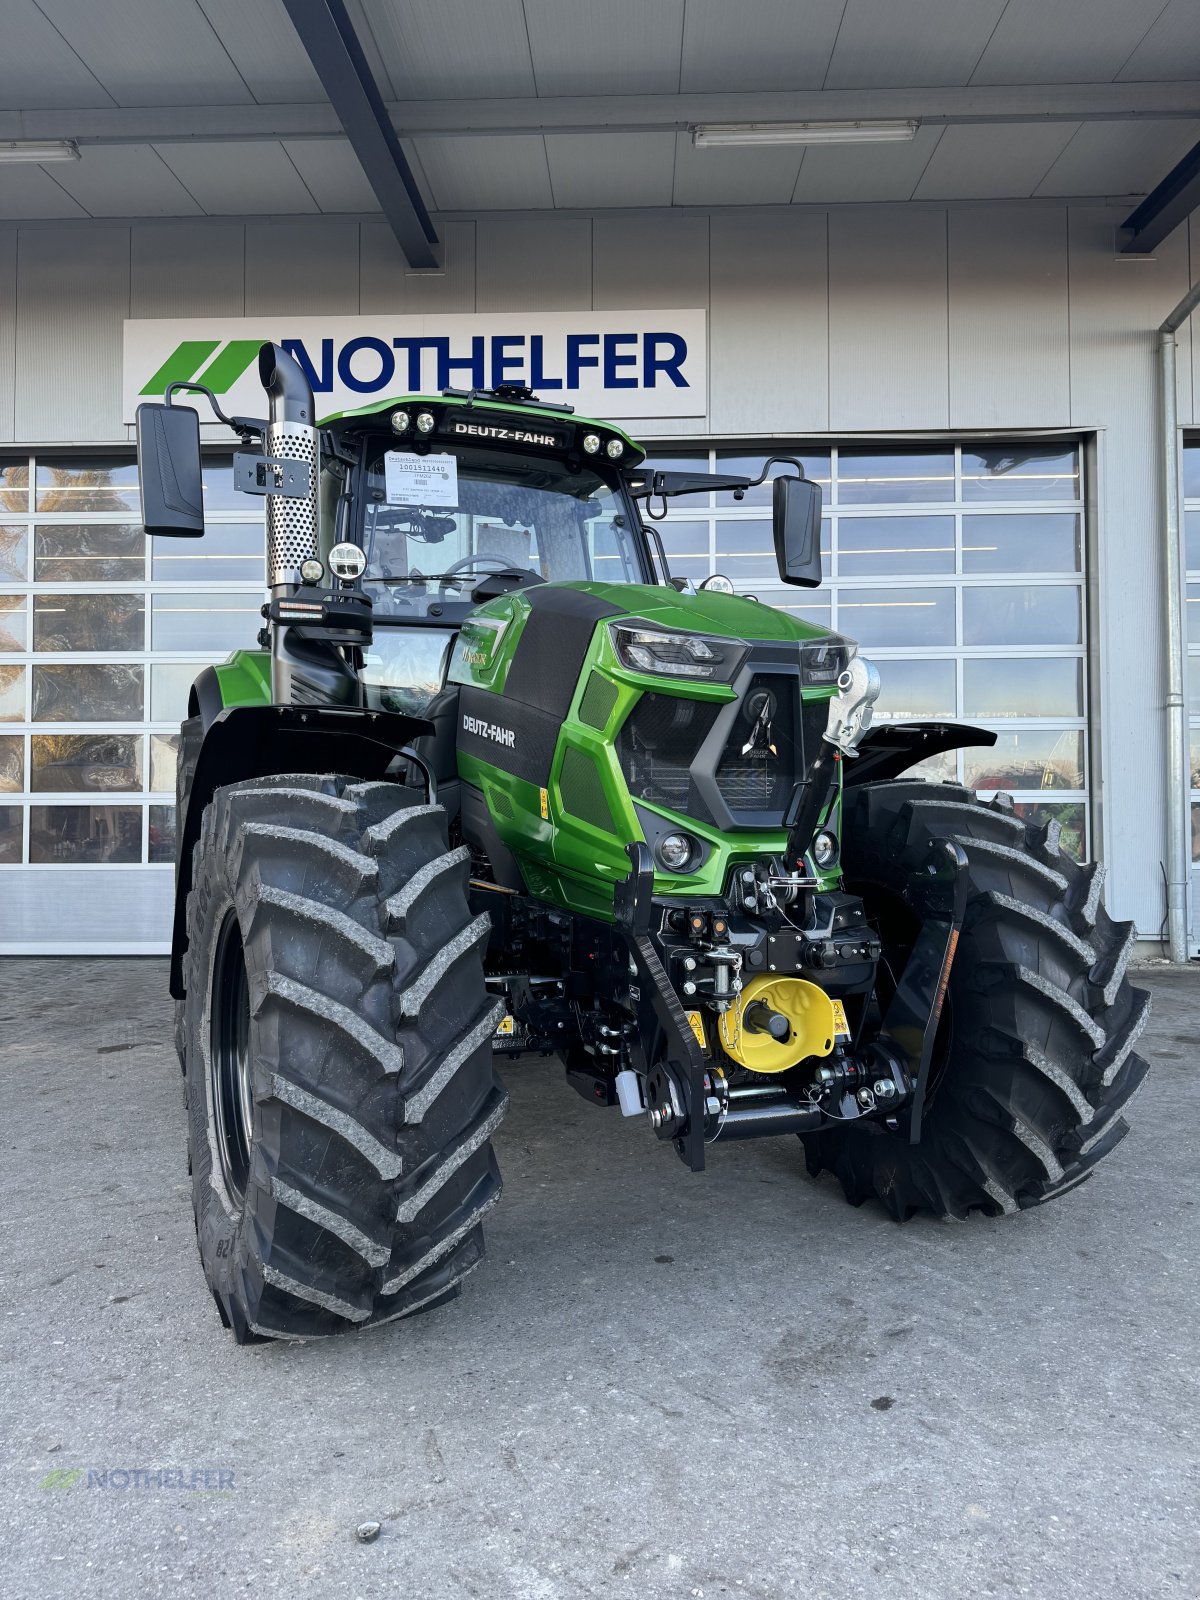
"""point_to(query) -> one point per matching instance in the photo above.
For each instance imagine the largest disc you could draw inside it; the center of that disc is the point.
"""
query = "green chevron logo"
(190, 362)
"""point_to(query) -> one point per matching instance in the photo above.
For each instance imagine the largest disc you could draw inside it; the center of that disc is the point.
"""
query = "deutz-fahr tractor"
(494, 783)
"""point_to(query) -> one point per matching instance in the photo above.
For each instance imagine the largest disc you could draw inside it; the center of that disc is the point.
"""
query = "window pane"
(1195, 832)
(12, 765)
(1192, 609)
(89, 553)
(815, 467)
(1071, 818)
(169, 690)
(163, 753)
(14, 483)
(74, 835)
(812, 605)
(110, 622)
(1195, 744)
(14, 555)
(12, 694)
(10, 835)
(1191, 523)
(684, 539)
(1020, 687)
(68, 762)
(108, 693)
(867, 478)
(897, 616)
(942, 768)
(1024, 615)
(162, 833)
(100, 483)
(1032, 542)
(1191, 471)
(871, 546)
(750, 571)
(1021, 472)
(1193, 685)
(219, 493)
(204, 621)
(1027, 759)
(14, 633)
(917, 689)
(229, 551)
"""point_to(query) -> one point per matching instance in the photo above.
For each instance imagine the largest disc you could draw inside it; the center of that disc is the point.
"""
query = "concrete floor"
(658, 1384)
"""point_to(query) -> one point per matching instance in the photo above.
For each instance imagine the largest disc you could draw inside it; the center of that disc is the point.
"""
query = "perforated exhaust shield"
(291, 524)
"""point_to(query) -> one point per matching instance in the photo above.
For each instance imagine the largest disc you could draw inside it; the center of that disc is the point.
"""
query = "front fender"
(893, 747)
(258, 741)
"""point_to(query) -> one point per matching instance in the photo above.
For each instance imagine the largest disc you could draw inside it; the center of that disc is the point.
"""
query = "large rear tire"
(1034, 1064)
(337, 1034)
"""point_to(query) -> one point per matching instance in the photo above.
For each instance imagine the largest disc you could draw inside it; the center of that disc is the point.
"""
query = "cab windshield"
(436, 526)
(440, 523)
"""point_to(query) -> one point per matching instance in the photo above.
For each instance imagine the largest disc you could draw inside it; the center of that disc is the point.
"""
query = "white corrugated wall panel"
(63, 910)
(302, 268)
(533, 265)
(887, 320)
(188, 269)
(1115, 307)
(72, 297)
(1009, 318)
(8, 330)
(388, 284)
(769, 326)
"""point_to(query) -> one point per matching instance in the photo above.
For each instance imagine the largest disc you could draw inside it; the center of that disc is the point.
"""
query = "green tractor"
(494, 783)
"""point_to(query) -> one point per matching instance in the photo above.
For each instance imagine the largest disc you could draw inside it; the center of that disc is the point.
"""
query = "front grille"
(656, 746)
(763, 755)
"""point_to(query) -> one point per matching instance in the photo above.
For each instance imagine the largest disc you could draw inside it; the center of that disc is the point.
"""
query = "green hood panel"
(725, 614)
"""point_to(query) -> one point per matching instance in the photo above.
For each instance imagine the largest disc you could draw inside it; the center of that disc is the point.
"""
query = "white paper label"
(412, 480)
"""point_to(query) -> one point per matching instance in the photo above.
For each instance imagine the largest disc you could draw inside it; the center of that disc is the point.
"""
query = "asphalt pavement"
(657, 1384)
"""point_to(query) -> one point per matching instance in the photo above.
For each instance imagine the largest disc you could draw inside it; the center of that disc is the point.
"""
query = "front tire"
(1034, 1065)
(337, 1032)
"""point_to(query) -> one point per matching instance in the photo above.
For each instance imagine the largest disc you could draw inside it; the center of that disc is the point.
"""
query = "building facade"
(973, 385)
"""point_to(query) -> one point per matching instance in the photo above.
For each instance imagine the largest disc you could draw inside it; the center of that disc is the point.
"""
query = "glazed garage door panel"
(960, 571)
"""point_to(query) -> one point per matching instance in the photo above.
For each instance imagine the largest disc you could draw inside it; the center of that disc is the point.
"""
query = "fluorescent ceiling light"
(708, 135)
(38, 150)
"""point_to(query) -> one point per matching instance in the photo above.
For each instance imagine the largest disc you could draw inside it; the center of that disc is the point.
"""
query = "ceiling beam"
(1164, 208)
(328, 37)
(1101, 102)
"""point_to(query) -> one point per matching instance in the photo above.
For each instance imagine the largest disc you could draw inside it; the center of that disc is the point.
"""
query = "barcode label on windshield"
(412, 480)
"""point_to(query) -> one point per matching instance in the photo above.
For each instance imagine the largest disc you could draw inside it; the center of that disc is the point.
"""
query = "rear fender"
(893, 747)
(242, 742)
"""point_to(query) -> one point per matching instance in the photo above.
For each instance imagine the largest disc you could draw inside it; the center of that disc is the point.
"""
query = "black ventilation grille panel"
(582, 791)
(656, 746)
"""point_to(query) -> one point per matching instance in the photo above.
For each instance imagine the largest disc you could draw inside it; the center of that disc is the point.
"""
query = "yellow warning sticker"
(505, 1025)
(544, 797)
(841, 1028)
(697, 1022)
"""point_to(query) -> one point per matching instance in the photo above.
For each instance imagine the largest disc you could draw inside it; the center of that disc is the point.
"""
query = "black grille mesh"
(582, 792)
(656, 746)
(762, 757)
(598, 701)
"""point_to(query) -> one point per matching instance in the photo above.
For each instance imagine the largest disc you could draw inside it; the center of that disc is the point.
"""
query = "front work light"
(347, 562)
(424, 421)
(643, 648)
(400, 420)
(591, 443)
(614, 449)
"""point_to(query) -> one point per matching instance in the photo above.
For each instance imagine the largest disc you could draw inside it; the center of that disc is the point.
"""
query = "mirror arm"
(246, 428)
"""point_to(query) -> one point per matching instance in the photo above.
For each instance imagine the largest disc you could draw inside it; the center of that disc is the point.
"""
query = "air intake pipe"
(291, 436)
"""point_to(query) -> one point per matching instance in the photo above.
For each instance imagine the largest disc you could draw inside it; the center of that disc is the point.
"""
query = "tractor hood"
(725, 614)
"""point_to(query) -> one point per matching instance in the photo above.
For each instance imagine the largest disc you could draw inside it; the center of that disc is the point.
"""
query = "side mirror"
(796, 522)
(168, 452)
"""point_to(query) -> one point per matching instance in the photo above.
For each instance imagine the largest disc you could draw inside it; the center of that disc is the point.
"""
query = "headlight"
(643, 648)
(824, 849)
(674, 851)
(823, 661)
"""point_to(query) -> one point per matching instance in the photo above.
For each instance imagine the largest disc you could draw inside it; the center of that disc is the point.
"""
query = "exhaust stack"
(291, 436)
